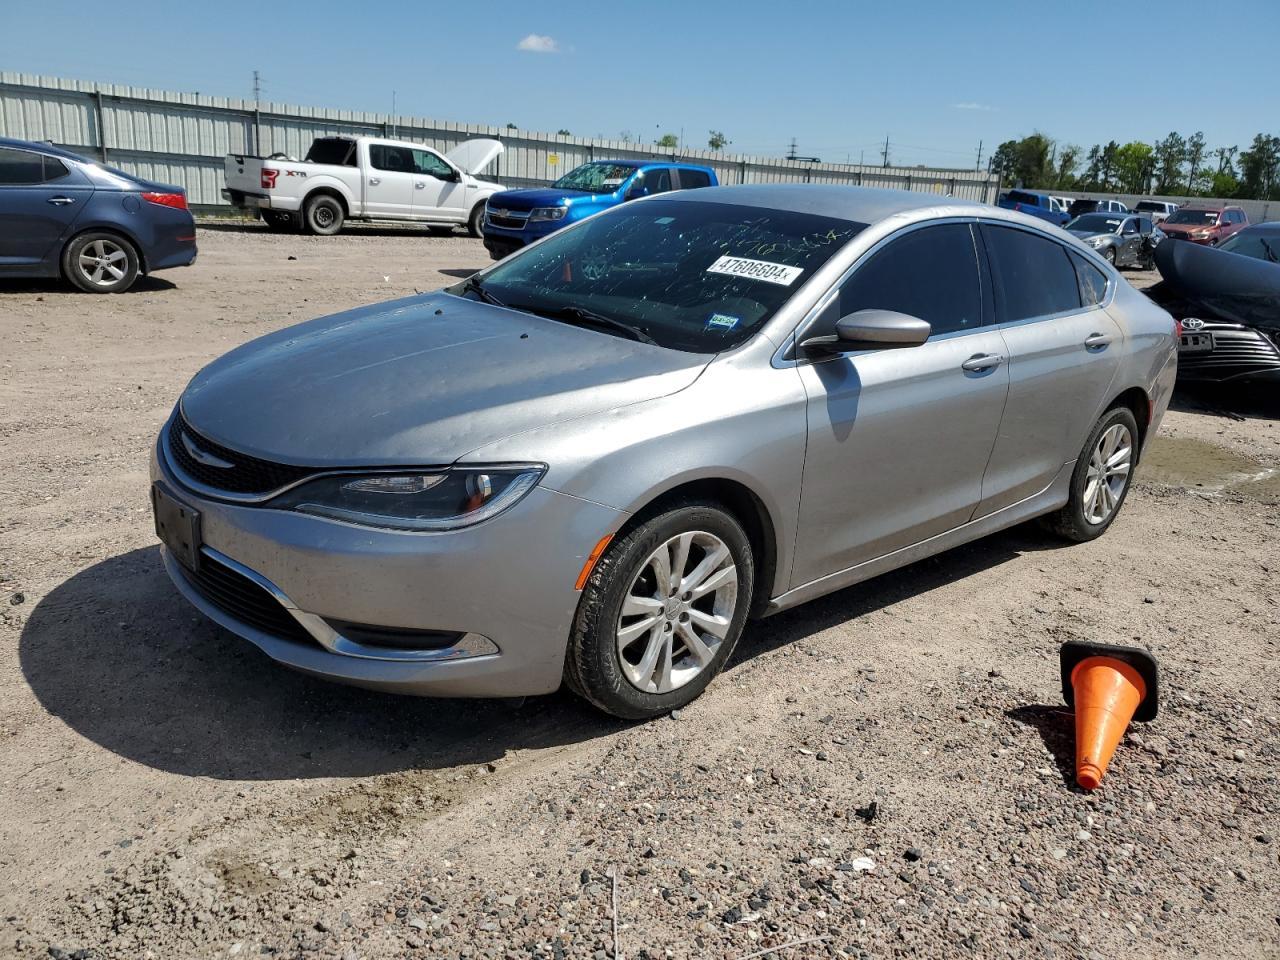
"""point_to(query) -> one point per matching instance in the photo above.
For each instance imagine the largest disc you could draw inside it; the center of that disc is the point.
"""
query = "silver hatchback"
(592, 462)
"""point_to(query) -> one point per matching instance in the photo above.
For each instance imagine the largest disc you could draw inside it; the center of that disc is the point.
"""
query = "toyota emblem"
(1192, 323)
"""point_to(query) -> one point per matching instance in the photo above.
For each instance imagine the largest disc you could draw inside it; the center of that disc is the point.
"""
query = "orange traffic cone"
(1108, 686)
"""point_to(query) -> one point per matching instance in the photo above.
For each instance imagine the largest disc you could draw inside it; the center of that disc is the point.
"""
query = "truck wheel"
(323, 215)
(279, 221)
(475, 226)
(100, 263)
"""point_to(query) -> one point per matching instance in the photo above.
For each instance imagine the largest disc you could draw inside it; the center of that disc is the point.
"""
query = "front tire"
(1101, 479)
(475, 223)
(1110, 255)
(661, 612)
(99, 262)
(323, 215)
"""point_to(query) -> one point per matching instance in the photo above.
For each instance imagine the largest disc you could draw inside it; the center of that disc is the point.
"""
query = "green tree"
(512, 126)
(717, 140)
(1132, 163)
(1068, 163)
(667, 140)
(562, 132)
(1170, 154)
(1004, 162)
(1195, 154)
(1260, 169)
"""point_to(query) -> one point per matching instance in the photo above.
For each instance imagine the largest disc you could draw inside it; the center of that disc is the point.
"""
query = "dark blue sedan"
(62, 215)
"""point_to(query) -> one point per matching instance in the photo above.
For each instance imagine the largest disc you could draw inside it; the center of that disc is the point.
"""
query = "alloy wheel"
(1108, 475)
(677, 612)
(103, 262)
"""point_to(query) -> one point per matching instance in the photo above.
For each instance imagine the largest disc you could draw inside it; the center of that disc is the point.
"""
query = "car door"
(649, 181)
(898, 439)
(438, 191)
(1130, 242)
(40, 199)
(389, 182)
(1063, 353)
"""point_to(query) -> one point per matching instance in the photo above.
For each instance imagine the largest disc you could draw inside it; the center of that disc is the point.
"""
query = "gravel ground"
(884, 772)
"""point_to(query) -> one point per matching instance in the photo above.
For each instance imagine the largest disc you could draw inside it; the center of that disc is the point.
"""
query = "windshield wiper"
(473, 285)
(585, 317)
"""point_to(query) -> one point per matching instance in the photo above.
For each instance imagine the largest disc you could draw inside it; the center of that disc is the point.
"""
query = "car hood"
(472, 156)
(1090, 234)
(545, 197)
(1168, 227)
(1222, 285)
(419, 381)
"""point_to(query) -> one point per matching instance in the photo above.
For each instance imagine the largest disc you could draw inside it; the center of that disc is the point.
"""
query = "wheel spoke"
(663, 679)
(716, 626)
(96, 247)
(116, 257)
(1120, 456)
(708, 563)
(699, 650)
(97, 273)
(629, 633)
(635, 606)
(679, 559)
(661, 563)
(115, 271)
(643, 672)
(717, 580)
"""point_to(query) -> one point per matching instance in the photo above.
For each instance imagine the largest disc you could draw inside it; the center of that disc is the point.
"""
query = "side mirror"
(871, 330)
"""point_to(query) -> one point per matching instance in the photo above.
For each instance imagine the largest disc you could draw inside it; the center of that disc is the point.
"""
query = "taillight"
(269, 178)
(176, 200)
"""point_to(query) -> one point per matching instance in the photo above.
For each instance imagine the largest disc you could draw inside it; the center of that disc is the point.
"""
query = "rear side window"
(890, 280)
(54, 169)
(333, 150)
(383, 156)
(1093, 282)
(656, 181)
(19, 168)
(1033, 274)
(1017, 196)
(690, 179)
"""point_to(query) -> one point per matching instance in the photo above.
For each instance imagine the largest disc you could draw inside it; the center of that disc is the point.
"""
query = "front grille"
(239, 597)
(512, 221)
(245, 474)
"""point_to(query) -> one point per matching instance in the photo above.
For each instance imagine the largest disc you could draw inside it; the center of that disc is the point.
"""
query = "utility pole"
(394, 128)
(885, 152)
(791, 154)
(977, 167)
(257, 113)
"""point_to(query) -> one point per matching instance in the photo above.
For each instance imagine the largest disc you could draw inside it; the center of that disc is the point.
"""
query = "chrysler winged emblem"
(204, 456)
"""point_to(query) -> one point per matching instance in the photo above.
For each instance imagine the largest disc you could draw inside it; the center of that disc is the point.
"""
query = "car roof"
(858, 204)
(43, 147)
(1268, 227)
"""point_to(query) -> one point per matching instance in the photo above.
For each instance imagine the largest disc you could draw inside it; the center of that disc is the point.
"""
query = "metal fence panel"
(181, 138)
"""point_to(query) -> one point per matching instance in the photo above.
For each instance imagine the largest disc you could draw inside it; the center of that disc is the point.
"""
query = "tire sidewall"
(316, 203)
(1082, 528)
(475, 224)
(599, 676)
(71, 263)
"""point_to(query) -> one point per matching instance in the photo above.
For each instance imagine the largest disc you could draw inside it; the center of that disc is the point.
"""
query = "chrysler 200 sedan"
(593, 461)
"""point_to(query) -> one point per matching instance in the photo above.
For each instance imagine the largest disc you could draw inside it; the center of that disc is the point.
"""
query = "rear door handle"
(374, 181)
(1096, 341)
(982, 361)
(61, 201)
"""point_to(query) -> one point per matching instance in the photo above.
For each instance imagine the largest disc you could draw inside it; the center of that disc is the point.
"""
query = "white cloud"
(972, 106)
(537, 43)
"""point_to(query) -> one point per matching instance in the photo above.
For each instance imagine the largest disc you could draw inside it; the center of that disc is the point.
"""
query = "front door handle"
(374, 181)
(420, 185)
(1096, 341)
(982, 361)
(61, 201)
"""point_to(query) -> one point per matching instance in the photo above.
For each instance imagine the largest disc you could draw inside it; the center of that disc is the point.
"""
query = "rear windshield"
(692, 276)
(1017, 196)
(1260, 244)
(1096, 223)
(333, 150)
(1200, 217)
(1150, 206)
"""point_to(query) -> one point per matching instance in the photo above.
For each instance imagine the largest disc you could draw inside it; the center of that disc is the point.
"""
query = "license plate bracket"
(177, 526)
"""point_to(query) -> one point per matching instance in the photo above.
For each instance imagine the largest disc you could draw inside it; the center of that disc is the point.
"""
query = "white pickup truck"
(365, 178)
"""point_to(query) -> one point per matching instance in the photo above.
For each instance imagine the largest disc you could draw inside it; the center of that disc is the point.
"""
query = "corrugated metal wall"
(181, 138)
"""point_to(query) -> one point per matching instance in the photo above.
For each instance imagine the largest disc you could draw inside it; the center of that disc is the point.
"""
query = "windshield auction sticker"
(778, 273)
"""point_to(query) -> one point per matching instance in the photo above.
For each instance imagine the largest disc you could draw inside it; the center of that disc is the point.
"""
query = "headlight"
(548, 213)
(441, 500)
(1201, 235)
(1097, 241)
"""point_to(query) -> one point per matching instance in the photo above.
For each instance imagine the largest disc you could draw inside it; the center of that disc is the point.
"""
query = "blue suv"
(518, 217)
(1037, 204)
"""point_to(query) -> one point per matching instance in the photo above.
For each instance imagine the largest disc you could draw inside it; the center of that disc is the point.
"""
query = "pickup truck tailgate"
(244, 173)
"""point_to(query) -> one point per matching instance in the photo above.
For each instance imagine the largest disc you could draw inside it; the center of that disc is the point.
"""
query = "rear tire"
(475, 224)
(637, 673)
(100, 262)
(1097, 491)
(323, 215)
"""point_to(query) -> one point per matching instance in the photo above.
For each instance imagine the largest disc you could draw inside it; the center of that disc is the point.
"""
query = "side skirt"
(1047, 500)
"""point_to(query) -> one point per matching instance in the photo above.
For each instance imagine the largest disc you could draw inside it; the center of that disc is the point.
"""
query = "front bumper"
(505, 586)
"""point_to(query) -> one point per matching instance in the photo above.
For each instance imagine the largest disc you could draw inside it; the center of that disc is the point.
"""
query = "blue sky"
(936, 77)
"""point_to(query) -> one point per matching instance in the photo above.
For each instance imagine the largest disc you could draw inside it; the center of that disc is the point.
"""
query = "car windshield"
(689, 275)
(1095, 223)
(600, 177)
(1259, 244)
(1195, 217)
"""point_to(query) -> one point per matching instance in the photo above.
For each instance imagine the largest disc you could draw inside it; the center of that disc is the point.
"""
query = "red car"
(1205, 223)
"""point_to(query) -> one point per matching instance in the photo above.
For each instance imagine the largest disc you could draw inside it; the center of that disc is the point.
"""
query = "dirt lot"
(168, 792)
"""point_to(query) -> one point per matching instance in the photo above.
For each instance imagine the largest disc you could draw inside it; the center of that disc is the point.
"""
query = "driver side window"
(426, 162)
(930, 273)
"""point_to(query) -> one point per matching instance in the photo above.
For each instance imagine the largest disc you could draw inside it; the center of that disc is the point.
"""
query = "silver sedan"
(592, 462)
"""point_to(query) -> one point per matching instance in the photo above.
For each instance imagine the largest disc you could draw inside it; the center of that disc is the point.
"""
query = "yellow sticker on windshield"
(778, 273)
